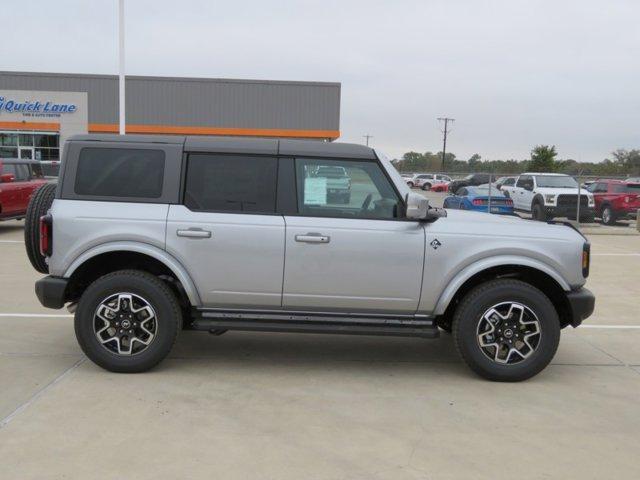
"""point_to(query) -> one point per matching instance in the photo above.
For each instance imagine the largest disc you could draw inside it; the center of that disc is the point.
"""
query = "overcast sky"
(512, 73)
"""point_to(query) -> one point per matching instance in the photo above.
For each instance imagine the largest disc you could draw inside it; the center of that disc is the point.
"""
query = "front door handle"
(194, 233)
(313, 238)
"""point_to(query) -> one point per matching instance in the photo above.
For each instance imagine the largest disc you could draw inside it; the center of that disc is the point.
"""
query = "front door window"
(344, 189)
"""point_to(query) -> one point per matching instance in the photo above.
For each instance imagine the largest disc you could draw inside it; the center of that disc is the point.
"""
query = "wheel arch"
(114, 256)
(531, 271)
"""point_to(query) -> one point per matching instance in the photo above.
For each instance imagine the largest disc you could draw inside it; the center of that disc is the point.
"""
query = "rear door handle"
(313, 238)
(194, 233)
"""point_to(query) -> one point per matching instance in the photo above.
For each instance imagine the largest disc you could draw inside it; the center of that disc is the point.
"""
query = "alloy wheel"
(125, 323)
(508, 333)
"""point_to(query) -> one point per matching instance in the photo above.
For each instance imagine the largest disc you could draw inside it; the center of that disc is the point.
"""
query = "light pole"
(446, 121)
(367, 137)
(121, 99)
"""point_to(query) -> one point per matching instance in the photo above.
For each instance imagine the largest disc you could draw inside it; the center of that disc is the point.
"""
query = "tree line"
(543, 159)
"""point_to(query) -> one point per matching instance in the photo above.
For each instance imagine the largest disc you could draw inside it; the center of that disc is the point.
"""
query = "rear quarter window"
(120, 172)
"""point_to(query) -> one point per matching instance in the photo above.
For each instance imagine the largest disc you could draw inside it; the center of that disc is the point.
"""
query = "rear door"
(226, 231)
(14, 192)
(355, 257)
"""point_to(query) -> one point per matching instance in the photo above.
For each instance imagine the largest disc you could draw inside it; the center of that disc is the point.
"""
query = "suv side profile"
(615, 199)
(145, 236)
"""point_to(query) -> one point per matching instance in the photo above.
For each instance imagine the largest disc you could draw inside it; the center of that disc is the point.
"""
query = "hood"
(561, 191)
(479, 223)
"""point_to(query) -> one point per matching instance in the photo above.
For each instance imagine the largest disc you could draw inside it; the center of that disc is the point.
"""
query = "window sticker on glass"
(315, 191)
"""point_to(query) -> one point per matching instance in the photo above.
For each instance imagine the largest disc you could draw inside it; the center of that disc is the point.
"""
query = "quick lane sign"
(36, 108)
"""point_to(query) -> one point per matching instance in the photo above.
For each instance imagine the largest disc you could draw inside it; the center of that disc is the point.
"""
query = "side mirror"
(7, 177)
(417, 206)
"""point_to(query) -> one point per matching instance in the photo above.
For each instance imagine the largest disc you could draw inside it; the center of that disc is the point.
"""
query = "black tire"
(39, 205)
(538, 213)
(156, 293)
(426, 187)
(410, 184)
(608, 215)
(482, 298)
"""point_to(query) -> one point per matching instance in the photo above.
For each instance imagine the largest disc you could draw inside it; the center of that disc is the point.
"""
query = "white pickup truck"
(550, 195)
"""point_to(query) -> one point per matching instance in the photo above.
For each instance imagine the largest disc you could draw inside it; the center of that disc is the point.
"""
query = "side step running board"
(308, 323)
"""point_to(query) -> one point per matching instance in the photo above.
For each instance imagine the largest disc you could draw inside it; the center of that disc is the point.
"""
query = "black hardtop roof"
(258, 146)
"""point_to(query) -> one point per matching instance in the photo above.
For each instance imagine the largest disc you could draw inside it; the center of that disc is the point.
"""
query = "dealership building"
(39, 110)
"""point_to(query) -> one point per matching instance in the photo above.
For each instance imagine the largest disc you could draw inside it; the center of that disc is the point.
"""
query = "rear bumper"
(51, 291)
(582, 303)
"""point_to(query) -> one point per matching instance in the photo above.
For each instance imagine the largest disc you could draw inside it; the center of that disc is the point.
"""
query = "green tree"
(543, 158)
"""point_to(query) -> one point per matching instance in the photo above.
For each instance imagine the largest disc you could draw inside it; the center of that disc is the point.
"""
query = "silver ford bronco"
(145, 236)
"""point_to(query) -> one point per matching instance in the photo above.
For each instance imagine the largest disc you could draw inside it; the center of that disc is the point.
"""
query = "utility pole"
(121, 102)
(446, 130)
(367, 137)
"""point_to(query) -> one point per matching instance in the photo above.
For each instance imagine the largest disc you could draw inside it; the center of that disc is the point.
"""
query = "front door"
(226, 232)
(356, 255)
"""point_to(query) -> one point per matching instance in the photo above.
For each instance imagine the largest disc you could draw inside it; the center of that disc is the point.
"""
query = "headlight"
(549, 199)
(591, 201)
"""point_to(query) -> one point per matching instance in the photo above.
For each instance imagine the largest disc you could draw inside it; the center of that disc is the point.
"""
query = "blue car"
(477, 200)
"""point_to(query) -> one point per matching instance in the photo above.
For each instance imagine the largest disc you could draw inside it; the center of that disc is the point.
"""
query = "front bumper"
(569, 211)
(51, 291)
(582, 302)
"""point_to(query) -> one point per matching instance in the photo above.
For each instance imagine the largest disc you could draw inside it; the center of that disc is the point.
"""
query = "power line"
(446, 130)
(367, 137)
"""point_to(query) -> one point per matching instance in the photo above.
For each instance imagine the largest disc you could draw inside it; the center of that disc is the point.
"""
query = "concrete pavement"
(246, 405)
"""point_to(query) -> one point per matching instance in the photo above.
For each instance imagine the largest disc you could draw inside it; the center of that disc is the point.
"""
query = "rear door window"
(120, 172)
(233, 183)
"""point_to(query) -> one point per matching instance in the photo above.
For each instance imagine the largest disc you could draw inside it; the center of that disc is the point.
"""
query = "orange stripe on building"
(241, 132)
(44, 126)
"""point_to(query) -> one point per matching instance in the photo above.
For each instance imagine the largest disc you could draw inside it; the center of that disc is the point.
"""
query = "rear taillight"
(46, 230)
(509, 202)
(586, 260)
(477, 201)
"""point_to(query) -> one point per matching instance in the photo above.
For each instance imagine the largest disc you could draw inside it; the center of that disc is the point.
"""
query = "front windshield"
(400, 184)
(556, 181)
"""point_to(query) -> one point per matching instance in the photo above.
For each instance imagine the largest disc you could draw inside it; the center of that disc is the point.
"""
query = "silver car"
(144, 236)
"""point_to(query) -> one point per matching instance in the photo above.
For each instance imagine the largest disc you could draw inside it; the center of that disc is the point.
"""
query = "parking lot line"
(11, 241)
(615, 254)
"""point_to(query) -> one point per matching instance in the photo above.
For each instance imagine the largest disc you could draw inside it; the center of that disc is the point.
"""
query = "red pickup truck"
(615, 199)
(18, 180)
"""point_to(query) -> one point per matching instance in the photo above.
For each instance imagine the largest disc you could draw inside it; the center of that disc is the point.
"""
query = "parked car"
(338, 183)
(427, 181)
(477, 199)
(506, 182)
(18, 180)
(615, 199)
(440, 187)
(550, 195)
(472, 180)
(145, 237)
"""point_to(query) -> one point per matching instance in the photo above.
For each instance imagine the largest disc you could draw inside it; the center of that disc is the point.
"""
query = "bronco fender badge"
(435, 243)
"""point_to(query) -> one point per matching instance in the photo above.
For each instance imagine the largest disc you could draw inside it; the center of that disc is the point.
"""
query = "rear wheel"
(506, 330)
(127, 321)
(608, 215)
(426, 187)
(39, 205)
(410, 184)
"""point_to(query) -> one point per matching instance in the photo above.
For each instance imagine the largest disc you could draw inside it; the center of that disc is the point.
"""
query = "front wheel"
(538, 213)
(506, 330)
(127, 321)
